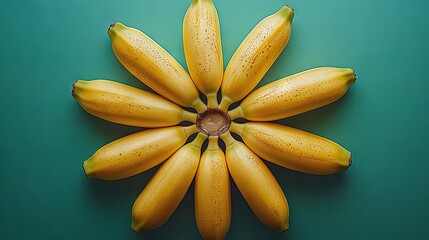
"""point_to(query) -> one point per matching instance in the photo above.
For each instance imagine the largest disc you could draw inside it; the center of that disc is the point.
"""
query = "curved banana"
(292, 148)
(164, 192)
(123, 104)
(257, 184)
(136, 153)
(154, 66)
(255, 55)
(203, 48)
(213, 193)
(295, 94)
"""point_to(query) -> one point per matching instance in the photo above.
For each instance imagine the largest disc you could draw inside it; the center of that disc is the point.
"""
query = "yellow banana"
(257, 184)
(293, 148)
(136, 153)
(154, 66)
(213, 193)
(203, 48)
(164, 192)
(255, 55)
(295, 94)
(123, 104)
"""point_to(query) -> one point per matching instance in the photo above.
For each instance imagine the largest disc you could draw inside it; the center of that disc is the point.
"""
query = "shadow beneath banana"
(104, 129)
(118, 195)
(315, 185)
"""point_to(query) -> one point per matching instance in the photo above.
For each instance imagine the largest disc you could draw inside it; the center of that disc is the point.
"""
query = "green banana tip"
(287, 11)
(114, 27)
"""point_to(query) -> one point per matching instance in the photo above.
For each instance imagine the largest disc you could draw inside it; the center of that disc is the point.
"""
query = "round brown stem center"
(213, 122)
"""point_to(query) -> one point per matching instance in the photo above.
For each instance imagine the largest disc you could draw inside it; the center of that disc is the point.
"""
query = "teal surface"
(46, 45)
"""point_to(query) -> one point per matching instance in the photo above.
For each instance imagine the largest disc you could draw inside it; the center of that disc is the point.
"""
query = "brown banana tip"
(73, 87)
(291, 8)
(84, 171)
(350, 160)
(135, 229)
(284, 229)
(111, 26)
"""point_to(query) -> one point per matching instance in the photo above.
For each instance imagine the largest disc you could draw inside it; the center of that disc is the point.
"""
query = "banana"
(136, 153)
(212, 193)
(123, 104)
(154, 66)
(295, 94)
(257, 184)
(292, 148)
(203, 48)
(164, 192)
(255, 55)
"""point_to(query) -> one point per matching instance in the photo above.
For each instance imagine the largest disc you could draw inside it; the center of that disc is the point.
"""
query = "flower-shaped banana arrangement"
(169, 143)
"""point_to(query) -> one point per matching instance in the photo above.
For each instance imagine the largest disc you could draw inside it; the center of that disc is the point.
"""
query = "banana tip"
(73, 87)
(135, 228)
(291, 8)
(111, 26)
(284, 228)
(84, 170)
(350, 160)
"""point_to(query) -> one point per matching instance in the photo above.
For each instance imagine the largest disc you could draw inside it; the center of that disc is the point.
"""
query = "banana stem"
(212, 101)
(224, 104)
(213, 143)
(227, 138)
(236, 113)
(199, 106)
(199, 140)
(237, 128)
(189, 116)
(189, 130)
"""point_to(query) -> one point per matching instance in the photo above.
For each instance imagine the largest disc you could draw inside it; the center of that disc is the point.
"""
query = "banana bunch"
(183, 160)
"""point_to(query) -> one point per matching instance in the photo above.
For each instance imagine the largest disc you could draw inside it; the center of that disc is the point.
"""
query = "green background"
(46, 45)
